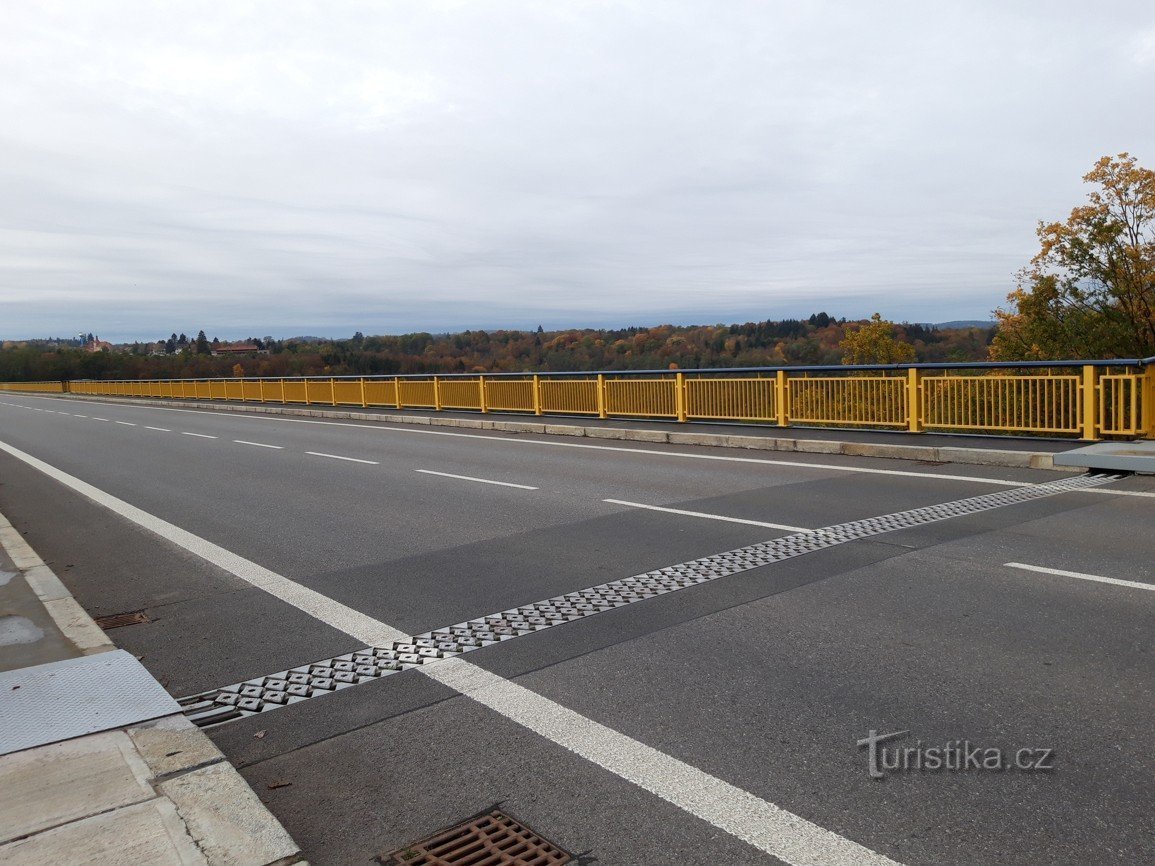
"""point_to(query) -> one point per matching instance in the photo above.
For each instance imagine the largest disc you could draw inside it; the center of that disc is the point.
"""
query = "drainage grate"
(494, 839)
(116, 620)
(330, 675)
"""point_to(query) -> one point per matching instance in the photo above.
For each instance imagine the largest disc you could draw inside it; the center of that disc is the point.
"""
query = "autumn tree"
(1090, 290)
(874, 343)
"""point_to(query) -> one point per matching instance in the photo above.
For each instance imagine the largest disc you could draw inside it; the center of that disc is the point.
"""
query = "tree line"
(818, 339)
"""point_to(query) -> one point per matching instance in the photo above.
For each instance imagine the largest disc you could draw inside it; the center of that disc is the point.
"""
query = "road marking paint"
(479, 480)
(94, 418)
(258, 444)
(1134, 584)
(383, 428)
(321, 607)
(158, 429)
(516, 440)
(339, 457)
(708, 516)
(126, 423)
(759, 822)
(78, 415)
(755, 821)
(198, 435)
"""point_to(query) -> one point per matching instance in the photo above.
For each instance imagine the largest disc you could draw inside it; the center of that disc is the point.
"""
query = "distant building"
(99, 345)
(238, 349)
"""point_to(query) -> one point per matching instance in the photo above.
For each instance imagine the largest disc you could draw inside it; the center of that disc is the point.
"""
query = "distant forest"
(788, 342)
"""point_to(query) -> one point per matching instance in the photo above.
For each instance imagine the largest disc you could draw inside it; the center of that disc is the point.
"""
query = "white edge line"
(758, 822)
(339, 457)
(384, 427)
(755, 821)
(198, 435)
(478, 480)
(708, 516)
(258, 444)
(1133, 584)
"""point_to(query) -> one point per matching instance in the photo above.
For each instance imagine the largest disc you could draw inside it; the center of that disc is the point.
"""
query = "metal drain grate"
(330, 675)
(494, 839)
(116, 620)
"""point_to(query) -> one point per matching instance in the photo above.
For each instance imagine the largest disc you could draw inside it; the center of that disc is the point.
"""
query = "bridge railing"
(1076, 399)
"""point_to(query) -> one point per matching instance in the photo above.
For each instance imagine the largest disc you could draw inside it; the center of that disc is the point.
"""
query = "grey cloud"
(274, 168)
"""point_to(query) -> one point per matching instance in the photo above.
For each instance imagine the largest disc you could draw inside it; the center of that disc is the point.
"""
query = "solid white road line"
(478, 480)
(321, 607)
(520, 440)
(762, 824)
(126, 423)
(198, 435)
(768, 827)
(339, 457)
(258, 444)
(708, 516)
(159, 429)
(1134, 584)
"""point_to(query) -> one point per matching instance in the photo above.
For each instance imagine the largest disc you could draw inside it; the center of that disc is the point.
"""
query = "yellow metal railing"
(1091, 401)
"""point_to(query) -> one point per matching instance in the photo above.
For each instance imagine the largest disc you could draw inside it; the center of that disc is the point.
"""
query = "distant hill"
(967, 323)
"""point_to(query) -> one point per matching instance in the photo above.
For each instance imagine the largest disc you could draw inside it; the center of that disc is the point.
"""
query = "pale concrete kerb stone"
(173, 745)
(564, 430)
(52, 785)
(518, 427)
(150, 832)
(644, 435)
(72, 620)
(708, 439)
(224, 816)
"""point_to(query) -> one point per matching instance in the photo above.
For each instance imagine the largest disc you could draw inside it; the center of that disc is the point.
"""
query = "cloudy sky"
(318, 168)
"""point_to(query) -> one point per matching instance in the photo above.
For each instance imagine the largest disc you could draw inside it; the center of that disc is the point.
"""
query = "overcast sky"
(397, 165)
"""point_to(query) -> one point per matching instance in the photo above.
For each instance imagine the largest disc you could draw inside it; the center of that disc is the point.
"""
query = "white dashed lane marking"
(198, 435)
(339, 457)
(478, 480)
(708, 516)
(258, 444)
(1115, 581)
(158, 429)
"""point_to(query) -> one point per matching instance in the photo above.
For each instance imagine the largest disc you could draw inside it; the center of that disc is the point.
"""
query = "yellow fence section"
(1003, 404)
(1089, 402)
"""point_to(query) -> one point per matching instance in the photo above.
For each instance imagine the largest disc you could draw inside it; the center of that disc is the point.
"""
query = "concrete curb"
(186, 801)
(931, 453)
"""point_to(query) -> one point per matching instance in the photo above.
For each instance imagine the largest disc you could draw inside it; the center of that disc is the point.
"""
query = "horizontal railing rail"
(1077, 399)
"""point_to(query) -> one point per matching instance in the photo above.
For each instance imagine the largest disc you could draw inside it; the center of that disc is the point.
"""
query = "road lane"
(763, 679)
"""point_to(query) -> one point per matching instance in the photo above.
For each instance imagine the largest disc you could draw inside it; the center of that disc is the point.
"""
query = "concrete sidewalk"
(1011, 451)
(107, 780)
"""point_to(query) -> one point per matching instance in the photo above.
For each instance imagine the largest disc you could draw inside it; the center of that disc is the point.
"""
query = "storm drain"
(116, 620)
(330, 675)
(494, 839)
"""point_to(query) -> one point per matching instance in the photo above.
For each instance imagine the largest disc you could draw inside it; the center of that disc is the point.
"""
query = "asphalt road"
(664, 731)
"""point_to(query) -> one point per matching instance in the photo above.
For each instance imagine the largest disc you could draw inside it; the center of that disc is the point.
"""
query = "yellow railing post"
(601, 395)
(913, 401)
(397, 391)
(436, 394)
(332, 391)
(481, 393)
(781, 399)
(1146, 385)
(536, 394)
(1090, 403)
(306, 381)
(680, 395)
(261, 389)
(363, 403)
(282, 390)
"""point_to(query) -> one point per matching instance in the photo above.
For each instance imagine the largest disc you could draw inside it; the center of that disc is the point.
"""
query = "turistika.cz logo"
(951, 756)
